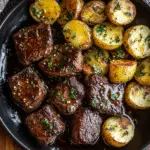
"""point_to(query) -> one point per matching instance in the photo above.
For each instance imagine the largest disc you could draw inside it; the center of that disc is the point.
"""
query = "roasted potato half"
(121, 12)
(137, 96)
(93, 12)
(78, 34)
(137, 41)
(46, 11)
(108, 36)
(142, 74)
(70, 9)
(122, 71)
(95, 61)
(118, 131)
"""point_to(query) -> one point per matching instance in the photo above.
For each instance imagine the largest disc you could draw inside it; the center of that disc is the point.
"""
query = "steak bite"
(45, 125)
(27, 89)
(86, 127)
(67, 96)
(33, 43)
(64, 61)
(104, 97)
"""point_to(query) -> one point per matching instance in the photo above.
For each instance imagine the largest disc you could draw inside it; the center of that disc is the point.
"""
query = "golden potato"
(108, 36)
(46, 11)
(70, 9)
(121, 12)
(122, 71)
(142, 74)
(137, 96)
(94, 12)
(137, 41)
(118, 131)
(78, 34)
(95, 61)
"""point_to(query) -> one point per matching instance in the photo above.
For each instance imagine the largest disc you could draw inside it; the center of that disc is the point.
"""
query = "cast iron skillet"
(12, 117)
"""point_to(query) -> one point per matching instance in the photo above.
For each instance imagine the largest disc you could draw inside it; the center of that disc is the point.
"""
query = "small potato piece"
(95, 61)
(137, 41)
(108, 36)
(46, 11)
(118, 131)
(142, 74)
(122, 71)
(78, 34)
(70, 9)
(93, 12)
(137, 96)
(121, 12)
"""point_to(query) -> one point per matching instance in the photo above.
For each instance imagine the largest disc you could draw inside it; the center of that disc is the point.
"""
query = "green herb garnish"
(72, 93)
(71, 68)
(49, 64)
(58, 93)
(74, 36)
(101, 28)
(140, 73)
(32, 84)
(128, 14)
(147, 38)
(113, 96)
(94, 101)
(117, 39)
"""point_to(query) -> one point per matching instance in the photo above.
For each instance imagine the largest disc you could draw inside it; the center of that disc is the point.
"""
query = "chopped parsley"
(140, 73)
(113, 96)
(74, 36)
(32, 84)
(49, 64)
(100, 52)
(72, 93)
(105, 35)
(70, 108)
(58, 93)
(128, 14)
(94, 101)
(119, 52)
(46, 125)
(117, 39)
(96, 69)
(101, 28)
(71, 68)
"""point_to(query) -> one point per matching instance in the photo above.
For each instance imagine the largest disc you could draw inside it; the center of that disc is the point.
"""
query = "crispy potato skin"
(117, 131)
(142, 74)
(136, 41)
(121, 12)
(108, 36)
(46, 11)
(70, 9)
(137, 96)
(95, 61)
(78, 34)
(93, 12)
(122, 71)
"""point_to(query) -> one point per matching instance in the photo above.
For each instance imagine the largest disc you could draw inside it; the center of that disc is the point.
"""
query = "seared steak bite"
(104, 97)
(33, 43)
(45, 125)
(27, 89)
(62, 62)
(86, 127)
(67, 96)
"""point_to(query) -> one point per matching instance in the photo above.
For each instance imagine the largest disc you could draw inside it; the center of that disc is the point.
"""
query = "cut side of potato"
(46, 11)
(137, 41)
(137, 96)
(118, 131)
(96, 61)
(78, 34)
(142, 74)
(70, 9)
(122, 71)
(121, 12)
(93, 12)
(108, 36)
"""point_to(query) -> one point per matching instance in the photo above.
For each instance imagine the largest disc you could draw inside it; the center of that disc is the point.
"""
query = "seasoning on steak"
(27, 89)
(67, 96)
(62, 62)
(86, 127)
(33, 43)
(104, 97)
(45, 125)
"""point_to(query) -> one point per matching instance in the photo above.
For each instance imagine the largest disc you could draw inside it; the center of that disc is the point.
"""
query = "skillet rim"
(146, 4)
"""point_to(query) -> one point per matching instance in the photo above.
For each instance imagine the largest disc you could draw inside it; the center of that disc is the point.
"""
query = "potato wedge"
(95, 61)
(118, 131)
(78, 34)
(121, 12)
(137, 96)
(137, 41)
(70, 9)
(46, 11)
(94, 12)
(122, 71)
(142, 74)
(108, 36)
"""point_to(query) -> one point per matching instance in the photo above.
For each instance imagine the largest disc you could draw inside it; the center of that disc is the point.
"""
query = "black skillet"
(12, 117)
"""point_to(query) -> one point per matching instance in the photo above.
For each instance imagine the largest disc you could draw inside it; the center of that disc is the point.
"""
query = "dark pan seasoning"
(75, 82)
